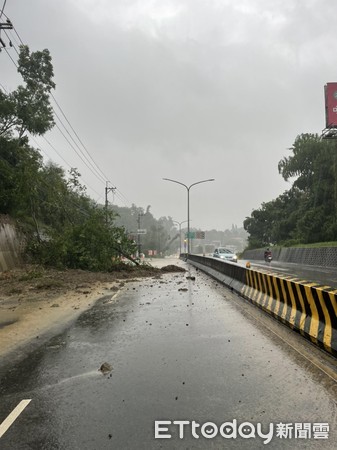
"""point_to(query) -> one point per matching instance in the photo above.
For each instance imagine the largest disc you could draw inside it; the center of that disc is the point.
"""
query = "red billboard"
(330, 90)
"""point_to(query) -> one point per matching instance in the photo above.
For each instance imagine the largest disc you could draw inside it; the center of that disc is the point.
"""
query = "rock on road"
(176, 349)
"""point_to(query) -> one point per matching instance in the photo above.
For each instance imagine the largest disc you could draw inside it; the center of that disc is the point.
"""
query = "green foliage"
(8, 118)
(90, 244)
(307, 212)
(159, 232)
(36, 69)
(318, 245)
(19, 165)
(61, 224)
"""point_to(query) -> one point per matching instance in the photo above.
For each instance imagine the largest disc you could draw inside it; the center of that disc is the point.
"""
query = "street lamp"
(179, 223)
(188, 205)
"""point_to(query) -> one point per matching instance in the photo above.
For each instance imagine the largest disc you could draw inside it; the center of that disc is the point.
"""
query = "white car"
(225, 254)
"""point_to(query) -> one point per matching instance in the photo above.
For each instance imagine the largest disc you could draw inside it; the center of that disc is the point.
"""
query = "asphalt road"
(199, 354)
(326, 276)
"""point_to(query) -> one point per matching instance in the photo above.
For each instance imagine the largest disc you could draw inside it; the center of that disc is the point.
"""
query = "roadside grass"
(316, 245)
(31, 275)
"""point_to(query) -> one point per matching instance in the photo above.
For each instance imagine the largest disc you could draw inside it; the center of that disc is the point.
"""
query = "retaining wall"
(10, 245)
(307, 308)
(323, 256)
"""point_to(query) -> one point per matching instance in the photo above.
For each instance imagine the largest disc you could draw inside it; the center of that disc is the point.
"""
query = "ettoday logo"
(244, 430)
(209, 430)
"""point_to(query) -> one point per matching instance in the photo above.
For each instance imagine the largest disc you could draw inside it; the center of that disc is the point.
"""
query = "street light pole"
(188, 204)
(179, 223)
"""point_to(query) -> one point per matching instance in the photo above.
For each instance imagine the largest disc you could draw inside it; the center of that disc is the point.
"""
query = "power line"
(13, 38)
(4, 48)
(69, 165)
(18, 36)
(105, 177)
(77, 153)
(3, 7)
(51, 145)
(13, 28)
(59, 154)
(10, 43)
(100, 177)
(4, 89)
(92, 168)
(88, 160)
(88, 164)
(71, 201)
(4, 26)
(122, 197)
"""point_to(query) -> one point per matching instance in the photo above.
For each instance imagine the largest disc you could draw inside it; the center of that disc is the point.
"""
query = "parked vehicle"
(225, 254)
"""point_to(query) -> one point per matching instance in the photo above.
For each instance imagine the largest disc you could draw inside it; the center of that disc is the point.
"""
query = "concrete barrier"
(307, 308)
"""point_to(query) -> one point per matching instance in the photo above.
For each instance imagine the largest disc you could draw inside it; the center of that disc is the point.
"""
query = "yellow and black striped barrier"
(308, 308)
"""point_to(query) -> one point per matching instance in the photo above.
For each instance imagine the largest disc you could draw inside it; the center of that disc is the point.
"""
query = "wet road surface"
(321, 275)
(180, 350)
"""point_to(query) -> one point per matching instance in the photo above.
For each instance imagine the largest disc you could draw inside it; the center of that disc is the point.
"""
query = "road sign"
(195, 235)
(141, 231)
(190, 235)
(200, 235)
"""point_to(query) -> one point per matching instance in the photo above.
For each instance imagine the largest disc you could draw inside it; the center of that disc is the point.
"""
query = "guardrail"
(307, 308)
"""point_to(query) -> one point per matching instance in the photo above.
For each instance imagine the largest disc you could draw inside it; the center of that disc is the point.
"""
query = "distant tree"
(159, 232)
(236, 237)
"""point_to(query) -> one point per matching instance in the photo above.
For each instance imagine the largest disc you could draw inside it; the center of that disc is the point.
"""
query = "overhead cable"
(86, 157)
(86, 150)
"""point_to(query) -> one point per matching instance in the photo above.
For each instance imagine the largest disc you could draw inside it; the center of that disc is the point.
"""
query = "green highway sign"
(190, 235)
(195, 235)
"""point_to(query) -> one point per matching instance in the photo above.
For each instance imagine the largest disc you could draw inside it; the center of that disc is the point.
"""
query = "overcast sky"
(182, 89)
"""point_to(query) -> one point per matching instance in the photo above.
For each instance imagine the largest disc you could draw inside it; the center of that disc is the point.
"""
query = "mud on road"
(35, 301)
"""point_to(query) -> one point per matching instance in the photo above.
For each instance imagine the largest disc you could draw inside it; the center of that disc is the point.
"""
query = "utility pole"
(138, 234)
(107, 190)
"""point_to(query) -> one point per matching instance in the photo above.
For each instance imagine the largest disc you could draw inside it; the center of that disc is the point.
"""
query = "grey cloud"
(187, 90)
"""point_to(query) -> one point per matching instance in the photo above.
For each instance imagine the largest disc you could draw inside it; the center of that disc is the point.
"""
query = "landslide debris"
(34, 283)
(172, 268)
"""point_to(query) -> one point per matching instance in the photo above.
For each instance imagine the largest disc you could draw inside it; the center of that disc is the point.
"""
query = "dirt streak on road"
(35, 303)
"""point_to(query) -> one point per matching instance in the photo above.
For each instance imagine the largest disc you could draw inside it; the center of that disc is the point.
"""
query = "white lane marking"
(13, 416)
